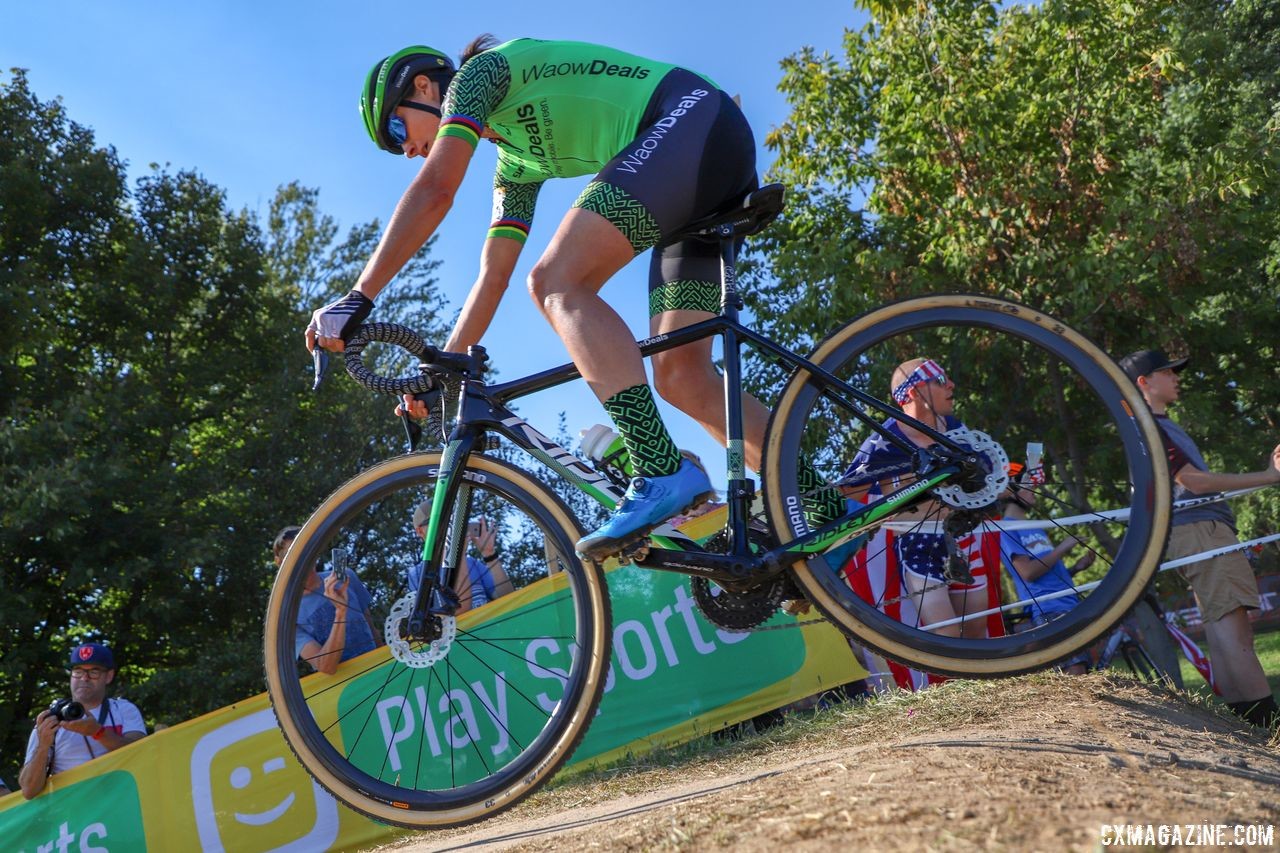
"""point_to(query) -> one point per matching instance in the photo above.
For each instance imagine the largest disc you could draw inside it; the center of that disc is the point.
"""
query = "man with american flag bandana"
(925, 392)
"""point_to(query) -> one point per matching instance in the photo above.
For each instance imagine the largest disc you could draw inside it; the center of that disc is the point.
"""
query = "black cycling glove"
(341, 318)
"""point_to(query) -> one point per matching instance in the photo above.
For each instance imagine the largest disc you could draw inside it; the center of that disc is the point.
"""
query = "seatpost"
(741, 490)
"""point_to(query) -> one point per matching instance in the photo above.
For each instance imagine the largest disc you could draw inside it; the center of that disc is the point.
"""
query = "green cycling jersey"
(560, 109)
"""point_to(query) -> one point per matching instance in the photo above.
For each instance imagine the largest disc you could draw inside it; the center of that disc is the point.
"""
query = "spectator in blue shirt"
(479, 579)
(334, 623)
(1036, 566)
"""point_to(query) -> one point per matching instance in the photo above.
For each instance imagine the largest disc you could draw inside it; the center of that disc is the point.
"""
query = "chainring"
(739, 611)
(995, 481)
(427, 653)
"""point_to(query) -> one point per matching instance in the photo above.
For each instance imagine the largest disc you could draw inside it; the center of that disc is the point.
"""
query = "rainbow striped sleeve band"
(461, 127)
(514, 229)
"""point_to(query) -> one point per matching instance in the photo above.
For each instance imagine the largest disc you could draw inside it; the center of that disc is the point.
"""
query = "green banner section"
(227, 781)
(497, 695)
(100, 814)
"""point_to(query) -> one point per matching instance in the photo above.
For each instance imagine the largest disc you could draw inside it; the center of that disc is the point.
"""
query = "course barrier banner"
(227, 780)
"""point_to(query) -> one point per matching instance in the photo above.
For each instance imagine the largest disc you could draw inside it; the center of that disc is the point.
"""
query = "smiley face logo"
(242, 777)
(248, 797)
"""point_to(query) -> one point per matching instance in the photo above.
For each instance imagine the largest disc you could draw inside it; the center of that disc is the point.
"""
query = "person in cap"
(107, 724)
(481, 578)
(925, 392)
(1224, 586)
(334, 623)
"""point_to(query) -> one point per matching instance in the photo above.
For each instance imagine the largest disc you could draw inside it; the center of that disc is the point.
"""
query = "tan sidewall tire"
(597, 599)
(867, 634)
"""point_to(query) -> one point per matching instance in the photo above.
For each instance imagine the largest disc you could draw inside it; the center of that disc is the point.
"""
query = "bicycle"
(462, 715)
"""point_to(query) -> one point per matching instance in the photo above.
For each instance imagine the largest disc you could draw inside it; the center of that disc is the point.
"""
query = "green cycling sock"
(821, 504)
(635, 414)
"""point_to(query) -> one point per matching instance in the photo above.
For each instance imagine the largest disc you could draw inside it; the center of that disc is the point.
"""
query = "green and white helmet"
(390, 80)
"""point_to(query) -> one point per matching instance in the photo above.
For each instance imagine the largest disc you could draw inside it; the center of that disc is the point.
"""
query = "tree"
(1112, 163)
(159, 422)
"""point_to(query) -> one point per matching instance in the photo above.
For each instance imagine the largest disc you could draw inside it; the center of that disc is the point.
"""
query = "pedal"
(636, 552)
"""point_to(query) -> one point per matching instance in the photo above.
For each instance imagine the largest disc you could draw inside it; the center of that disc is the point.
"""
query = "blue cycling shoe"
(649, 501)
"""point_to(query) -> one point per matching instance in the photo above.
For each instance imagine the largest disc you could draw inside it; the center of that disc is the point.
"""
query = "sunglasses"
(396, 130)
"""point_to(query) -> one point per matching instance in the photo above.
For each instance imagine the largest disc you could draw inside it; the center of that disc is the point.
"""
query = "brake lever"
(320, 358)
(412, 430)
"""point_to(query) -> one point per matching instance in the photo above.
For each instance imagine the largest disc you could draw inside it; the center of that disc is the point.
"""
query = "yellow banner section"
(227, 780)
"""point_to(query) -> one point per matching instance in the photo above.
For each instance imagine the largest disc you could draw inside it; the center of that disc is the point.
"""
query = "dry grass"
(1013, 764)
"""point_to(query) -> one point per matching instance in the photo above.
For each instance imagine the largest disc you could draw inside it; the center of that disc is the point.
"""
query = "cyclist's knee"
(550, 286)
(540, 284)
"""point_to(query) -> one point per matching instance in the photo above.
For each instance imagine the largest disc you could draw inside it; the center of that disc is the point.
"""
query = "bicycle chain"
(721, 540)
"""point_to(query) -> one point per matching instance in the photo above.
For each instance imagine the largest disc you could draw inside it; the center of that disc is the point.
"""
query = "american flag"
(874, 576)
(1192, 652)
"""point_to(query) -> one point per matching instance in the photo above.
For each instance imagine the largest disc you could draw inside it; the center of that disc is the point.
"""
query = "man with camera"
(83, 727)
(334, 619)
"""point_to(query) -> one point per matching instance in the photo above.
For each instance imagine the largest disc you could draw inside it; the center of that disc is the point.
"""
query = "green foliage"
(158, 422)
(1115, 164)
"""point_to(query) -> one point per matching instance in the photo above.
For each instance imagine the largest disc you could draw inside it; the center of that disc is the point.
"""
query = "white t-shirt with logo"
(71, 749)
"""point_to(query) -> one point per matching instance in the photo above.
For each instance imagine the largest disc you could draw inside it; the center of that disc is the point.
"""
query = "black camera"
(66, 710)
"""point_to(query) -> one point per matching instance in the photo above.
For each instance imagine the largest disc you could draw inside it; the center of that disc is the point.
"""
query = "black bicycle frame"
(483, 408)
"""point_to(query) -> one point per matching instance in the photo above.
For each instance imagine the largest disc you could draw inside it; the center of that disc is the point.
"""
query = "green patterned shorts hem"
(621, 209)
(685, 295)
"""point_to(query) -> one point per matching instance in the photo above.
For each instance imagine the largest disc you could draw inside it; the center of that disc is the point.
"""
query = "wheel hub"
(427, 651)
(993, 463)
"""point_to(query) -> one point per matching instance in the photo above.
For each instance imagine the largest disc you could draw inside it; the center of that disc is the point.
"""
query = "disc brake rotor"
(994, 481)
(425, 654)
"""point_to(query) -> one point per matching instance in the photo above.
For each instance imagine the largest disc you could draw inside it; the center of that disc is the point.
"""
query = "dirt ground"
(1043, 762)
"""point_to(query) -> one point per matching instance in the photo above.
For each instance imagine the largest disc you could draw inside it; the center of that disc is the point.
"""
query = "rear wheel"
(440, 733)
(1022, 378)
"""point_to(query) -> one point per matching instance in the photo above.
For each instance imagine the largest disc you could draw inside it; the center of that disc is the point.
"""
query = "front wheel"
(1024, 385)
(440, 730)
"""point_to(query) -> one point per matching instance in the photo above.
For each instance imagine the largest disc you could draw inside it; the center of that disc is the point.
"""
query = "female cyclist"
(666, 147)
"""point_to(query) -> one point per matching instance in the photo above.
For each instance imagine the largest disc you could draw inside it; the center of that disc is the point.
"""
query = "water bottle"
(605, 447)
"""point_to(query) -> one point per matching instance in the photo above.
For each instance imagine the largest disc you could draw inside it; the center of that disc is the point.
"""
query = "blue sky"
(255, 95)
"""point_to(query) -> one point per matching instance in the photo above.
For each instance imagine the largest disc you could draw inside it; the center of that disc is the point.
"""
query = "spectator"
(332, 627)
(1036, 566)
(4, 788)
(925, 393)
(478, 580)
(1225, 586)
(56, 746)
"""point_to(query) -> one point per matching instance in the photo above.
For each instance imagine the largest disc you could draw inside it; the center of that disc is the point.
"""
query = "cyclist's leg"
(630, 205)
(684, 288)
(585, 251)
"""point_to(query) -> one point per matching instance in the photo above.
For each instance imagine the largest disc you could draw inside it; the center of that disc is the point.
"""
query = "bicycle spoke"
(1008, 385)
(454, 716)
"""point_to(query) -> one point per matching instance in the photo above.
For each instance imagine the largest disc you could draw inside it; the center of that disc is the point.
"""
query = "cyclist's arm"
(419, 212)
(513, 206)
(497, 262)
